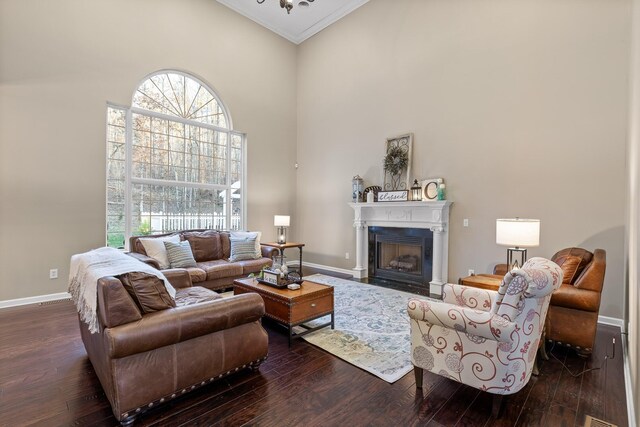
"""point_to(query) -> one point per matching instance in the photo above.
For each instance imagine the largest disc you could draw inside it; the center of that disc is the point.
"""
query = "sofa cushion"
(196, 274)
(253, 265)
(180, 255)
(243, 249)
(194, 295)
(219, 269)
(570, 266)
(584, 256)
(154, 248)
(226, 244)
(205, 245)
(147, 291)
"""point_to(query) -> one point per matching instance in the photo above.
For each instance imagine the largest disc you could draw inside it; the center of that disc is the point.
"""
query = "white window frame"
(130, 180)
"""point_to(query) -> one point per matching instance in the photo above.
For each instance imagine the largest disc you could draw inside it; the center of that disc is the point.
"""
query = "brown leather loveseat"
(211, 250)
(144, 358)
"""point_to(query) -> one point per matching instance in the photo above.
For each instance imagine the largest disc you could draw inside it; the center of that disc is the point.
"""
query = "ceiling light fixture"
(288, 4)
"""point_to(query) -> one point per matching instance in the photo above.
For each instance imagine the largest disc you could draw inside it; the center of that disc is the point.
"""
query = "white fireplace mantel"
(431, 215)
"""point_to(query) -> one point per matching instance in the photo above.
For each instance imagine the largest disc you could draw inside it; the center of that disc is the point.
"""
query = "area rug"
(371, 327)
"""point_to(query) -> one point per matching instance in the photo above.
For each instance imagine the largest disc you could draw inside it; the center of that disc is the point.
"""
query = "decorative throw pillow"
(180, 255)
(205, 245)
(570, 268)
(242, 249)
(147, 291)
(256, 235)
(154, 247)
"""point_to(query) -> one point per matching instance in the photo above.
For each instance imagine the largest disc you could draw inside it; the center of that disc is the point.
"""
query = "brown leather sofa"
(574, 308)
(211, 250)
(145, 359)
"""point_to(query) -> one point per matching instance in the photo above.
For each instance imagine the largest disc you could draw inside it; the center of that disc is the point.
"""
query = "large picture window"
(173, 161)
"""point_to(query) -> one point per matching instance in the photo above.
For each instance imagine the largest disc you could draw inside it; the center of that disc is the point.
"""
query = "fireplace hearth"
(401, 254)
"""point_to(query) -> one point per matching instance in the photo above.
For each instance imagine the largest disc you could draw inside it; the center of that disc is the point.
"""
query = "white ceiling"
(302, 23)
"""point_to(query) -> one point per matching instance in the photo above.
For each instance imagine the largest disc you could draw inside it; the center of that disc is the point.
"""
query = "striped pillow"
(179, 254)
(243, 249)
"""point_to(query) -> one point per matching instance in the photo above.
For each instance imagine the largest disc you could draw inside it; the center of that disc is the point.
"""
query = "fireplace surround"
(431, 215)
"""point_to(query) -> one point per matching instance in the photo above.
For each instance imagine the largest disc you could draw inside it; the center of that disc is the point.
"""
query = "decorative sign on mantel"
(393, 196)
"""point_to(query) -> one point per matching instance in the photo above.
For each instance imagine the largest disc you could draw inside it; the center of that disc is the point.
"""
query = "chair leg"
(535, 371)
(419, 374)
(496, 407)
(542, 348)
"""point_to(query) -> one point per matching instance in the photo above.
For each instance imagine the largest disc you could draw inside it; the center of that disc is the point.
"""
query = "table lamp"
(282, 222)
(518, 233)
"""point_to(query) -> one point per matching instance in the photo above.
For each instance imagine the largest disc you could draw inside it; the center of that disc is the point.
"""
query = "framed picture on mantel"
(393, 196)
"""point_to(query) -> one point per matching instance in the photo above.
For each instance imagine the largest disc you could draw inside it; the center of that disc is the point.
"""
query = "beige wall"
(60, 62)
(521, 106)
(632, 315)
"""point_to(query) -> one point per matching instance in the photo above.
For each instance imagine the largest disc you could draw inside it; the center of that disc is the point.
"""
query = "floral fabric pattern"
(492, 349)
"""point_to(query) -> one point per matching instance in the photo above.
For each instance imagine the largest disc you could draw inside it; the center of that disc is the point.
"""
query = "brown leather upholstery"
(574, 308)
(573, 313)
(146, 359)
(211, 250)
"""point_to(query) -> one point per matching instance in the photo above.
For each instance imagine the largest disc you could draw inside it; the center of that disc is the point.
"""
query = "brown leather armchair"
(573, 314)
(574, 308)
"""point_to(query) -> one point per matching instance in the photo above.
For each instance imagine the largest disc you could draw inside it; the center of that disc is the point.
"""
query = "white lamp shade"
(522, 233)
(281, 220)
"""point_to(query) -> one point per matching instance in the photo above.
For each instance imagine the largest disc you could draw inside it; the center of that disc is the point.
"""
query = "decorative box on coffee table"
(292, 308)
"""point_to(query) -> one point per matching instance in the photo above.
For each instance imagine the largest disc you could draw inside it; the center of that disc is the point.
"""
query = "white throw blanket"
(90, 266)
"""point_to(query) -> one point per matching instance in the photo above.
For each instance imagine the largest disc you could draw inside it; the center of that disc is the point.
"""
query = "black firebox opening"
(401, 254)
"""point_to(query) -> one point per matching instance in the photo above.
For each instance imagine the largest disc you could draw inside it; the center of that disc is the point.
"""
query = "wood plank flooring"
(46, 379)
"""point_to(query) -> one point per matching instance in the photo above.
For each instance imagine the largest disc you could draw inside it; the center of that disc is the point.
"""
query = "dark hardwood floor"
(46, 379)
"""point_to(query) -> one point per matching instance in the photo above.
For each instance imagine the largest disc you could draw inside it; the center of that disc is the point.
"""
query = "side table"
(282, 246)
(482, 281)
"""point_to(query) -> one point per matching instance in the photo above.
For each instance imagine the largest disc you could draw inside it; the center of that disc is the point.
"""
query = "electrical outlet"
(471, 272)
(346, 255)
(465, 222)
(53, 273)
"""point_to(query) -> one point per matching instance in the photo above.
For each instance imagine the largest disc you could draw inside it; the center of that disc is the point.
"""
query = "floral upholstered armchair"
(485, 339)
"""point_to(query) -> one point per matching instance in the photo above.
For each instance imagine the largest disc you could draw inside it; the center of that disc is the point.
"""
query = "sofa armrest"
(467, 296)
(461, 319)
(569, 296)
(180, 324)
(269, 252)
(146, 259)
(592, 278)
(178, 277)
(500, 269)
(115, 305)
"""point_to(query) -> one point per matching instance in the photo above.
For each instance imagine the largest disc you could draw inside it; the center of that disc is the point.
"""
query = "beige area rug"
(371, 327)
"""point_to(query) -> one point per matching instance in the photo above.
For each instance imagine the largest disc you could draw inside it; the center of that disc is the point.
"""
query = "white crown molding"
(329, 19)
(298, 38)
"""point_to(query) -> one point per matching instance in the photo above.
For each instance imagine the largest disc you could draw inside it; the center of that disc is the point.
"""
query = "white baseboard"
(34, 300)
(321, 267)
(631, 409)
(611, 321)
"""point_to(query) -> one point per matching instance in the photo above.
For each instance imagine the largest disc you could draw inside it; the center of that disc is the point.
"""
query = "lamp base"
(282, 235)
(513, 263)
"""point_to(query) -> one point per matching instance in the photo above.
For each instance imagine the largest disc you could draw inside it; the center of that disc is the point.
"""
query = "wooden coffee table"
(292, 308)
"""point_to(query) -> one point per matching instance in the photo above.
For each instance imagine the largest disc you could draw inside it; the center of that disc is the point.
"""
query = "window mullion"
(128, 138)
(228, 210)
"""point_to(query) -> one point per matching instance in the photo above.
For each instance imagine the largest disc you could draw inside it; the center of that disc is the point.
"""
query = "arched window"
(173, 161)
